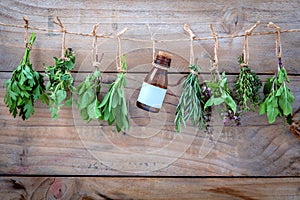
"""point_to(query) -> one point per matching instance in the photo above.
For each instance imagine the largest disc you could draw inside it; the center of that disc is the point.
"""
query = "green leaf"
(280, 76)
(84, 114)
(262, 108)
(208, 103)
(69, 102)
(230, 102)
(60, 96)
(123, 60)
(285, 101)
(272, 110)
(93, 110)
(218, 100)
(87, 98)
(54, 111)
(280, 91)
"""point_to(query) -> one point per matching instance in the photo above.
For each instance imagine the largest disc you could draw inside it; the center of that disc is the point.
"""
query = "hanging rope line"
(278, 47)
(141, 40)
(187, 28)
(246, 44)
(96, 62)
(119, 51)
(63, 39)
(26, 32)
(215, 64)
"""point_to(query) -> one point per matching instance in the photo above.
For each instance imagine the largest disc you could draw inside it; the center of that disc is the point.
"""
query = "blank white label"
(151, 95)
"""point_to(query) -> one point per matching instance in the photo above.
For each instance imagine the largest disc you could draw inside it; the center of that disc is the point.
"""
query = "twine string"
(187, 28)
(246, 44)
(96, 62)
(63, 40)
(26, 22)
(278, 39)
(119, 51)
(215, 64)
(141, 40)
(153, 42)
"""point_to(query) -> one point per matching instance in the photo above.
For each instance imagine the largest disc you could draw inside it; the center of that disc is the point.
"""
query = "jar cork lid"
(165, 54)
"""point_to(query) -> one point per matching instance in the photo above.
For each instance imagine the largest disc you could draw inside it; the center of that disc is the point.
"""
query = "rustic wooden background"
(68, 159)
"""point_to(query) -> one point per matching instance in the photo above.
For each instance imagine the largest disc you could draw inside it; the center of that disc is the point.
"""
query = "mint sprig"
(279, 98)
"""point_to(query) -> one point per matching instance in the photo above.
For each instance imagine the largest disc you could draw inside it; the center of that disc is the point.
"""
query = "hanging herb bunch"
(279, 98)
(25, 86)
(193, 96)
(192, 100)
(247, 88)
(220, 93)
(247, 84)
(60, 82)
(87, 102)
(89, 89)
(113, 106)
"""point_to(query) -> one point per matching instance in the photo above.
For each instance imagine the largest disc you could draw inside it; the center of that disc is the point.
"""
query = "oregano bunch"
(87, 102)
(247, 87)
(279, 98)
(25, 87)
(60, 82)
(113, 106)
(191, 102)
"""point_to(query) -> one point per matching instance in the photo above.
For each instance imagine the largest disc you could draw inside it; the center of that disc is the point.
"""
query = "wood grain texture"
(165, 17)
(150, 147)
(149, 188)
(68, 146)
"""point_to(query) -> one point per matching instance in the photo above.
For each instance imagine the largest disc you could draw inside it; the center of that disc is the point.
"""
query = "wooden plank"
(164, 18)
(148, 188)
(70, 146)
(238, 151)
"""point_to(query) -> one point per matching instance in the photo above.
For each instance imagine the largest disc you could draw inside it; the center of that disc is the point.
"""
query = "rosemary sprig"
(113, 106)
(191, 103)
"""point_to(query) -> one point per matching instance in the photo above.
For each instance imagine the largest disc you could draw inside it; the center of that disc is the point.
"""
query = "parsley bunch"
(278, 97)
(60, 81)
(87, 101)
(191, 103)
(25, 87)
(113, 106)
(247, 88)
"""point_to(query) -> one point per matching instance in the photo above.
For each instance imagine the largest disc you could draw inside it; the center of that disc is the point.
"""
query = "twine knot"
(278, 42)
(119, 51)
(246, 44)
